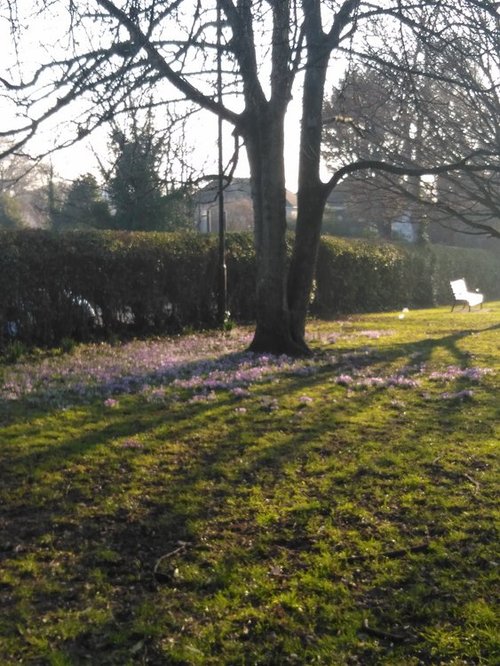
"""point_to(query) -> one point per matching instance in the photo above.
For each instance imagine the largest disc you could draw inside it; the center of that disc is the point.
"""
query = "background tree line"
(133, 192)
(375, 114)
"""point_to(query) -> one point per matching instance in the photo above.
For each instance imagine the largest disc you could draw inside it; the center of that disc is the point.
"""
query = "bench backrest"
(458, 287)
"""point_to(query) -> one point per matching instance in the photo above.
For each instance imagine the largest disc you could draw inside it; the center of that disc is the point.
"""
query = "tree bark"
(264, 138)
(283, 289)
(312, 192)
(303, 263)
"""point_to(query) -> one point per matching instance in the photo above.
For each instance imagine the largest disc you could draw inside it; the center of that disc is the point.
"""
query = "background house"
(237, 206)
(368, 207)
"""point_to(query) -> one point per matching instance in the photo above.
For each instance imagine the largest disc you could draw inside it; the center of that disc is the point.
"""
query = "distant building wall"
(238, 207)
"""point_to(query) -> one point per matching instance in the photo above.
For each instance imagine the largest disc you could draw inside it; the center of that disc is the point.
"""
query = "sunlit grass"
(181, 502)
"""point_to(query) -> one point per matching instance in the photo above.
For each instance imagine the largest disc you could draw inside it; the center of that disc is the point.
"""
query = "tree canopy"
(136, 182)
(135, 186)
(83, 207)
(10, 213)
(372, 114)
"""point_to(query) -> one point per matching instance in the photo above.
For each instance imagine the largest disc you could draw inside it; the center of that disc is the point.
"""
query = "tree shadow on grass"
(421, 350)
(450, 343)
(107, 520)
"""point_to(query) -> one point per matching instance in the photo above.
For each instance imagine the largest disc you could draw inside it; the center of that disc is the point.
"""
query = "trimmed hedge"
(363, 276)
(480, 268)
(68, 285)
(83, 285)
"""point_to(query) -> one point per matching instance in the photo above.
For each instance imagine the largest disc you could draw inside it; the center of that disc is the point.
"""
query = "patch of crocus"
(132, 444)
(240, 410)
(199, 365)
(453, 372)
(111, 403)
(476, 374)
(369, 382)
(448, 374)
(240, 392)
(401, 381)
(305, 400)
(11, 391)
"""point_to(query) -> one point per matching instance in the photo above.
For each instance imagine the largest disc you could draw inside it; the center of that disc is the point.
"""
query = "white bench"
(462, 295)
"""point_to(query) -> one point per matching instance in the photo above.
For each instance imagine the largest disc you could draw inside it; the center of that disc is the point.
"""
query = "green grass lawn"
(178, 502)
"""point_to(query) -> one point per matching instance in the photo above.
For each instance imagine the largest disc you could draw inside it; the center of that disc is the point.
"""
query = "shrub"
(356, 276)
(77, 284)
(480, 268)
(359, 276)
(82, 284)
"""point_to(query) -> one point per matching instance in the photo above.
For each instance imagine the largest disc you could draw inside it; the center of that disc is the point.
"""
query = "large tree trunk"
(312, 192)
(311, 199)
(264, 138)
(283, 295)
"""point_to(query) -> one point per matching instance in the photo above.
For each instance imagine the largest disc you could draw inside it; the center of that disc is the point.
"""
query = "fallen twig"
(386, 635)
(473, 481)
(161, 577)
